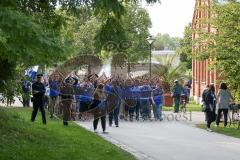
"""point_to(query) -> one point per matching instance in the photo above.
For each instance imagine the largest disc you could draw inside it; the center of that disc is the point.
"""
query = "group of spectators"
(214, 105)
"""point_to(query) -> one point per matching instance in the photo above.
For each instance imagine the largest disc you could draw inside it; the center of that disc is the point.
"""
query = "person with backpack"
(210, 102)
(224, 98)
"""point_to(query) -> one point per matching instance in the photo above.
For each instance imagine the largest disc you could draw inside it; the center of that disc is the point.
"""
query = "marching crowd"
(128, 99)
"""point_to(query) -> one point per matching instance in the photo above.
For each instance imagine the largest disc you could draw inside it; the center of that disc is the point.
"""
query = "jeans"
(145, 109)
(225, 114)
(176, 102)
(157, 111)
(114, 115)
(137, 109)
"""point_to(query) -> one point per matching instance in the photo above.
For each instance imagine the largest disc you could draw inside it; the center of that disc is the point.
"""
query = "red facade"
(201, 75)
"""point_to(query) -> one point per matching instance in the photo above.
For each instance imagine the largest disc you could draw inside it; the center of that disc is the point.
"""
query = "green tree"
(164, 41)
(222, 46)
(168, 72)
(185, 47)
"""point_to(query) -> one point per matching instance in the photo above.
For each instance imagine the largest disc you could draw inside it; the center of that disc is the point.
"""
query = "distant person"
(26, 88)
(38, 91)
(210, 102)
(145, 100)
(204, 93)
(116, 91)
(157, 95)
(54, 85)
(224, 98)
(176, 93)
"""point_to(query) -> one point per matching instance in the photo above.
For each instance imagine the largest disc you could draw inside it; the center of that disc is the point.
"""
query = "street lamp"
(150, 41)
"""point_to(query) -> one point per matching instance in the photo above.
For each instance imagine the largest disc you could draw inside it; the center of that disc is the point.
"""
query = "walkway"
(171, 140)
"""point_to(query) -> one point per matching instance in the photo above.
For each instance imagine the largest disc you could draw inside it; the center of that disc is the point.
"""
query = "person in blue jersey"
(85, 97)
(54, 85)
(157, 98)
(185, 93)
(145, 100)
(129, 100)
(117, 93)
(136, 95)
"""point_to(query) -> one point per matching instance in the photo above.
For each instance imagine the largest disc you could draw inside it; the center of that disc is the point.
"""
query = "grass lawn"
(227, 131)
(21, 139)
(191, 106)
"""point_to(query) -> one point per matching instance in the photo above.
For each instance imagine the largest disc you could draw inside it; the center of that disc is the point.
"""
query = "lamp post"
(150, 41)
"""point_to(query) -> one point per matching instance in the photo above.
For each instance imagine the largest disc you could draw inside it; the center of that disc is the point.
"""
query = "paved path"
(171, 140)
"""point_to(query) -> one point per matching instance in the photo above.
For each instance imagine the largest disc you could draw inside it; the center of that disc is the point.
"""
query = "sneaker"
(105, 132)
(209, 130)
(117, 126)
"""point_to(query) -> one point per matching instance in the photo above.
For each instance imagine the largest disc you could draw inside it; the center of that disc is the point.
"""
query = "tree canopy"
(185, 47)
(165, 41)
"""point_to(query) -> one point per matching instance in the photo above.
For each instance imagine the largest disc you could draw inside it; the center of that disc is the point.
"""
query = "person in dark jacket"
(38, 91)
(176, 93)
(210, 102)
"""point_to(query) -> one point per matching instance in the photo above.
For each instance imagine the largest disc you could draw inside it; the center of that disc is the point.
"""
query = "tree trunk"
(128, 68)
(89, 69)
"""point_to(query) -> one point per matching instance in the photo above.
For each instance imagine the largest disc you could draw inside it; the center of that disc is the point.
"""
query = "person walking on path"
(176, 93)
(38, 91)
(210, 102)
(224, 98)
(99, 99)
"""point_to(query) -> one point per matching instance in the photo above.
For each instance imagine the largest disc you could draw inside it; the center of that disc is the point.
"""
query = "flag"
(31, 72)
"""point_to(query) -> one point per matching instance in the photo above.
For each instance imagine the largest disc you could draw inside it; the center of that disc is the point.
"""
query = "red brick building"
(200, 69)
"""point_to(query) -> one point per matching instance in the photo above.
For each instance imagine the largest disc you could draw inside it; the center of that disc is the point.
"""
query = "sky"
(171, 16)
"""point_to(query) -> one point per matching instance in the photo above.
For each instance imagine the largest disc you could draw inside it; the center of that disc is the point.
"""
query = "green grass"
(229, 131)
(191, 106)
(21, 139)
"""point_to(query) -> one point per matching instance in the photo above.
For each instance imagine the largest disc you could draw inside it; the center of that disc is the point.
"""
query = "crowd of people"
(129, 99)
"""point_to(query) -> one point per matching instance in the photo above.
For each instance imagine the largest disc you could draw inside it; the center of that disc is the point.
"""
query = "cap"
(39, 75)
(175, 81)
